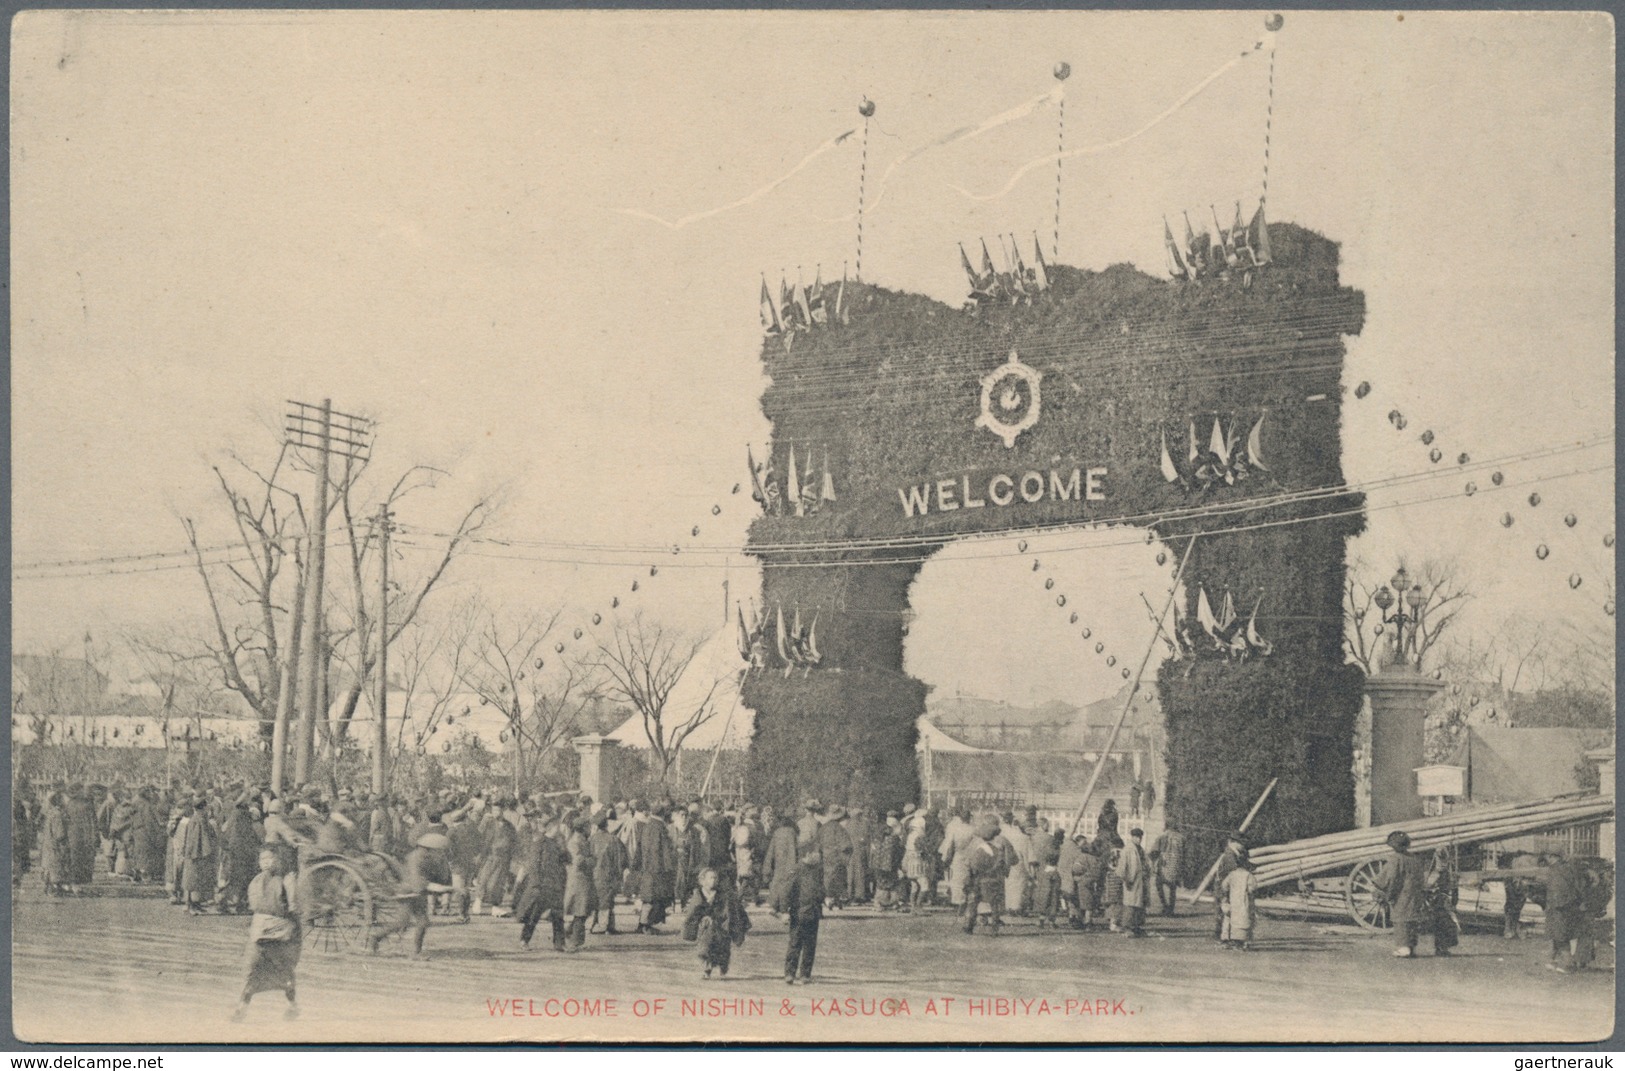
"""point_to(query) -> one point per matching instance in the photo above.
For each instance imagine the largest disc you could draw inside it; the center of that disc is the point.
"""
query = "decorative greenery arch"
(894, 396)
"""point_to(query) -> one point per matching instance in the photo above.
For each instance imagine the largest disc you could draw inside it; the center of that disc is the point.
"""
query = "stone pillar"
(1399, 696)
(598, 766)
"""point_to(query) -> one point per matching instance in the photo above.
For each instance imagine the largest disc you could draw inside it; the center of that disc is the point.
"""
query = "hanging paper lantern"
(445, 745)
(1574, 580)
(675, 549)
(735, 491)
(1534, 498)
(1473, 702)
(1506, 520)
(1063, 71)
(538, 663)
(1021, 547)
(558, 648)
(867, 108)
(484, 701)
(1570, 520)
(1496, 477)
(1060, 600)
(695, 532)
(1363, 389)
(1435, 455)
(1125, 673)
(1608, 607)
(1274, 23)
(1049, 584)
(467, 711)
(1394, 417)
(451, 719)
(1073, 620)
(1427, 437)
(1100, 648)
(1462, 458)
(1035, 565)
(1400, 424)
(634, 585)
(654, 570)
(1608, 540)
(502, 737)
(1438, 674)
(1376, 630)
(521, 674)
(716, 511)
(578, 634)
(614, 602)
(1087, 633)
(1455, 689)
(1162, 557)
(597, 619)
(1111, 660)
(1541, 551)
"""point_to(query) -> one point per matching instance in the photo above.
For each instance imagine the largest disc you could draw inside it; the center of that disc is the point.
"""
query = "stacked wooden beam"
(1332, 852)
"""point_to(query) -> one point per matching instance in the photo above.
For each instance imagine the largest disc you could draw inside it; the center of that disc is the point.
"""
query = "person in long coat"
(1106, 822)
(1017, 884)
(1412, 910)
(1235, 851)
(1135, 870)
(956, 843)
(83, 842)
(651, 867)
(1167, 857)
(23, 835)
(835, 845)
(501, 840)
(861, 832)
(544, 873)
(689, 855)
(148, 842)
(274, 936)
(120, 831)
(782, 863)
(608, 864)
(240, 841)
(804, 906)
(1565, 912)
(580, 895)
(53, 845)
(200, 849)
(180, 814)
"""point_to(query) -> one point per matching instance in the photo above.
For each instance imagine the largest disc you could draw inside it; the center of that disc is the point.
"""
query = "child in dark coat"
(716, 921)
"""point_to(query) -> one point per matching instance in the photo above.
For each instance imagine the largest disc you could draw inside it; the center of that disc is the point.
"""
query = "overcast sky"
(437, 219)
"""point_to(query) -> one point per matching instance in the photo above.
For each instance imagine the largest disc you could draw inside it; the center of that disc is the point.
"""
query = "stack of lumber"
(1482, 825)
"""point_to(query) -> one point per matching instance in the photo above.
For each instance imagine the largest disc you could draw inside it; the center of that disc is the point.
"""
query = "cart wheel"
(1363, 896)
(338, 907)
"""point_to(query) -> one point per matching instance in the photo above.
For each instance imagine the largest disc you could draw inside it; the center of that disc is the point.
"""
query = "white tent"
(727, 721)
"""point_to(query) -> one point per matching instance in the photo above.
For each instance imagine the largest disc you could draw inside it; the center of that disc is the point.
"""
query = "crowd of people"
(571, 862)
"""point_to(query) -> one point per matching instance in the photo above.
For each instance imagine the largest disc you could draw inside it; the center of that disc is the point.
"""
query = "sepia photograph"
(791, 527)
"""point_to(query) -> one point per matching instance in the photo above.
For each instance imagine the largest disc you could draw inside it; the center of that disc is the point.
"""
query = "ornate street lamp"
(1408, 596)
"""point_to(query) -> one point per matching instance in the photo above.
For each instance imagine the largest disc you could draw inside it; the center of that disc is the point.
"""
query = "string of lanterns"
(1085, 633)
(1508, 519)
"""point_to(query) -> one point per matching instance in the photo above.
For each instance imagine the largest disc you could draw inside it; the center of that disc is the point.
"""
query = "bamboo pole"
(1245, 822)
(1111, 741)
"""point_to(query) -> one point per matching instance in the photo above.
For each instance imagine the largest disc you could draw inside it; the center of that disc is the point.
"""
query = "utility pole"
(285, 697)
(313, 427)
(381, 729)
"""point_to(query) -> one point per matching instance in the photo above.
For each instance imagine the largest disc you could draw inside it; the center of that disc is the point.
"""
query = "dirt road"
(122, 965)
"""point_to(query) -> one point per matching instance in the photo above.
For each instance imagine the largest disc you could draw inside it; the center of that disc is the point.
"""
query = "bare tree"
(250, 579)
(432, 656)
(1444, 593)
(643, 665)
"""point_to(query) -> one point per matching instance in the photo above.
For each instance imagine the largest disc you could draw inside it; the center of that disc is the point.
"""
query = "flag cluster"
(797, 646)
(1225, 459)
(1223, 634)
(1012, 284)
(804, 490)
(801, 308)
(1239, 247)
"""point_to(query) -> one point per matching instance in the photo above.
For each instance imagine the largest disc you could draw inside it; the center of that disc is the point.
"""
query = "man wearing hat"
(807, 826)
(1413, 907)
(1135, 871)
(423, 872)
(988, 865)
